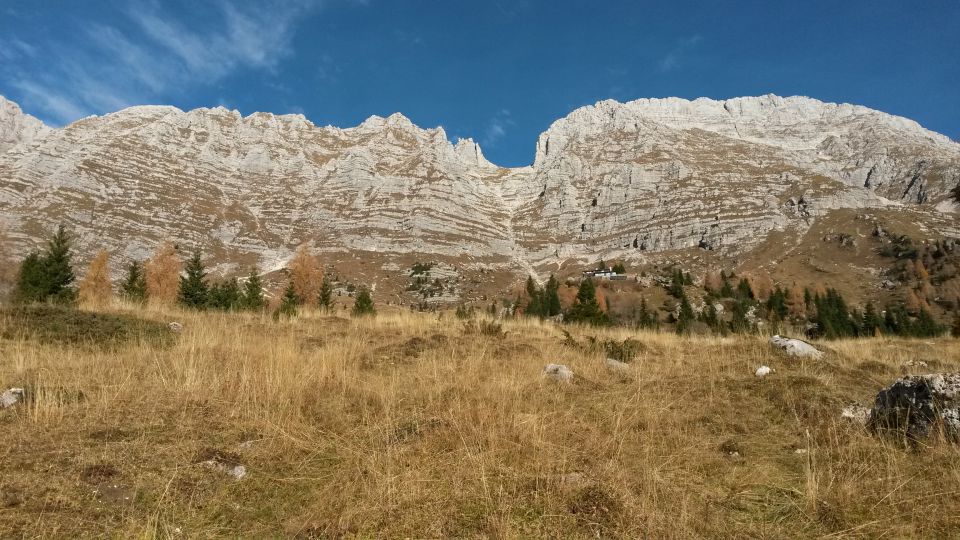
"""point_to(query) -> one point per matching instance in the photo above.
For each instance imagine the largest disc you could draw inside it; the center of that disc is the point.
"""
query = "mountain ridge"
(633, 181)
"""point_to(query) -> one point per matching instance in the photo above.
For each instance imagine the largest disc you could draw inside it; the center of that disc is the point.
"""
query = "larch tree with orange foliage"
(95, 290)
(912, 302)
(796, 305)
(761, 285)
(305, 275)
(163, 275)
(713, 281)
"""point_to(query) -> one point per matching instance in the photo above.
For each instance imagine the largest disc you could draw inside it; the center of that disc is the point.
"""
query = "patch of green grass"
(63, 325)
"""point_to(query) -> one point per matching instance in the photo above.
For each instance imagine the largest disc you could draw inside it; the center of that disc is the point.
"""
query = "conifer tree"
(252, 298)
(363, 305)
(58, 267)
(872, 324)
(535, 303)
(194, 291)
(833, 318)
(743, 289)
(325, 297)
(289, 303)
(552, 297)
(134, 287)
(225, 295)
(677, 280)
(95, 289)
(777, 305)
(162, 274)
(646, 318)
(306, 274)
(926, 326)
(796, 306)
(48, 276)
(739, 323)
(685, 318)
(585, 308)
(31, 283)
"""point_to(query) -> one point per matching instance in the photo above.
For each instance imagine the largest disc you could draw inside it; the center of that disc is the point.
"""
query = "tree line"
(47, 276)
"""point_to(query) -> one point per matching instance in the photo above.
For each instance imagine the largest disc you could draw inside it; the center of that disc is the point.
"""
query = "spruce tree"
(552, 297)
(194, 292)
(325, 297)
(363, 305)
(685, 318)
(872, 323)
(646, 318)
(225, 295)
(134, 287)
(535, 304)
(926, 326)
(739, 324)
(252, 298)
(290, 302)
(585, 308)
(48, 276)
(31, 283)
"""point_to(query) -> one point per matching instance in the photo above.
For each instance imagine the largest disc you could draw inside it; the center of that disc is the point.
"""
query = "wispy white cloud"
(497, 127)
(154, 57)
(675, 57)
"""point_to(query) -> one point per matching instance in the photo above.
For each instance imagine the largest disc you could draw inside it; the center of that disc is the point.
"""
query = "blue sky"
(499, 71)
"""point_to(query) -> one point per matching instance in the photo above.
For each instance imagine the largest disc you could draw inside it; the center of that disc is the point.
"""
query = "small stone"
(856, 413)
(616, 365)
(175, 327)
(558, 372)
(800, 451)
(11, 397)
(763, 371)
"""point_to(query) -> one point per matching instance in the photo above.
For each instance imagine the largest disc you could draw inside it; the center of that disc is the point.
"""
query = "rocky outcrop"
(917, 405)
(614, 180)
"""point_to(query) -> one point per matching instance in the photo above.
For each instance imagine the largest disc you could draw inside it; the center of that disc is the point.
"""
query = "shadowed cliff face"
(615, 180)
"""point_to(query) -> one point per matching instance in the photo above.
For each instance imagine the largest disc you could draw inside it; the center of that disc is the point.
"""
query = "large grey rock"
(918, 404)
(796, 347)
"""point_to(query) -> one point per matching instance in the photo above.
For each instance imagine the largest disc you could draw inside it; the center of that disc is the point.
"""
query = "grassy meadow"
(411, 425)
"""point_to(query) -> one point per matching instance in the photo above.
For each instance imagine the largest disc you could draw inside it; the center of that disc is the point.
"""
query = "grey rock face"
(619, 180)
(916, 405)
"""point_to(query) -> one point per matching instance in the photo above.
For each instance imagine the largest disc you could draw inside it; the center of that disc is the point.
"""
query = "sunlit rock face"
(615, 179)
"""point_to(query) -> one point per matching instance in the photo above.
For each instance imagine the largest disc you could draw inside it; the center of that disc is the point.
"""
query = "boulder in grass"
(763, 371)
(617, 366)
(175, 327)
(558, 372)
(11, 397)
(796, 347)
(919, 405)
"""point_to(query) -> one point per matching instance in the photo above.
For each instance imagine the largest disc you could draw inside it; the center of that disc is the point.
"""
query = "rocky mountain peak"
(610, 180)
(16, 127)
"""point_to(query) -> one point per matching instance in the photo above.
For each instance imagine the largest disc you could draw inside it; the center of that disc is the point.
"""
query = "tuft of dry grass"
(408, 425)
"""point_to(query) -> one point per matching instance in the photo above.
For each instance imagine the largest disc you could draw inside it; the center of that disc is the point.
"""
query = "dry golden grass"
(410, 426)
